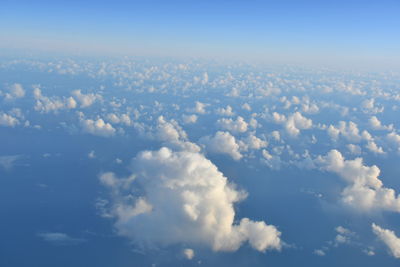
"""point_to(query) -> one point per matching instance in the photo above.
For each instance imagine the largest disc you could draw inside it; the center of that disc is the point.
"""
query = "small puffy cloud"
(228, 111)
(14, 91)
(343, 236)
(253, 142)
(46, 104)
(200, 108)
(119, 119)
(389, 238)
(246, 106)
(319, 252)
(183, 199)
(222, 143)
(172, 135)
(8, 120)
(294, 123)
(278, 118)
(368, 106)
(365, 191)
(373, 147)
(348, 130)
(97, 127)
(188, 253)
(376, 124)
(189, 119)
(86, 100)
(236, 126)
(394, 138)
(276, 135)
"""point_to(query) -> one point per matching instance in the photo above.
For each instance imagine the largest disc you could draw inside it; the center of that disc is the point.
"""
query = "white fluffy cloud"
(97, 127)
(394, 138)
(86, 100)
(222, 143)
(188, 253)
(120, 119)
(181, 197)
(199, 108)
(46, 104)
(376, 124)
(14, 91)
(228, 111)
(236, 126)
(349, 130)
(294, 123)
(8, 120)
(365, 191)
(189, 119)
(389, 238)
(172, 135)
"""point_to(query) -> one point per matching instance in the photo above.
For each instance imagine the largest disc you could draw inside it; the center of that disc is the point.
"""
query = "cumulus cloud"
(188, 253)
(376, 124)
(199, 108)
(189, 119)
(228, 111)
(343, 236)
(373, 147)
(46, 104)
(368, 106)
(119, 119)
(365, 191)
(8, 120)
(236, 126)
(172, 135)
(86, 100)
(394, 138)
(389, 238)
(97, 127)
(246, 106)
(294, 123)
(14, 91)
(348, 130)
(222, 143)
(181, 197)
(253, 142)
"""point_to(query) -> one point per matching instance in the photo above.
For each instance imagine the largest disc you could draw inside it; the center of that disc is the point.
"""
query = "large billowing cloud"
(389, 238)
(181, 197)
(365, 191)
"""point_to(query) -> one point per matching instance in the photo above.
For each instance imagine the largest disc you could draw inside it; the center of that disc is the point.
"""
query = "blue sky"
(124, 161)
(286, 31)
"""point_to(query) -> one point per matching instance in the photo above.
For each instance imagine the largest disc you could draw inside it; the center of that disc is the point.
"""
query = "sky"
(276, 31)
(199, 133)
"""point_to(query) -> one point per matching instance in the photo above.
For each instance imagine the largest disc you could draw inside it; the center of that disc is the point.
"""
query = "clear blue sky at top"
(210, 27)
